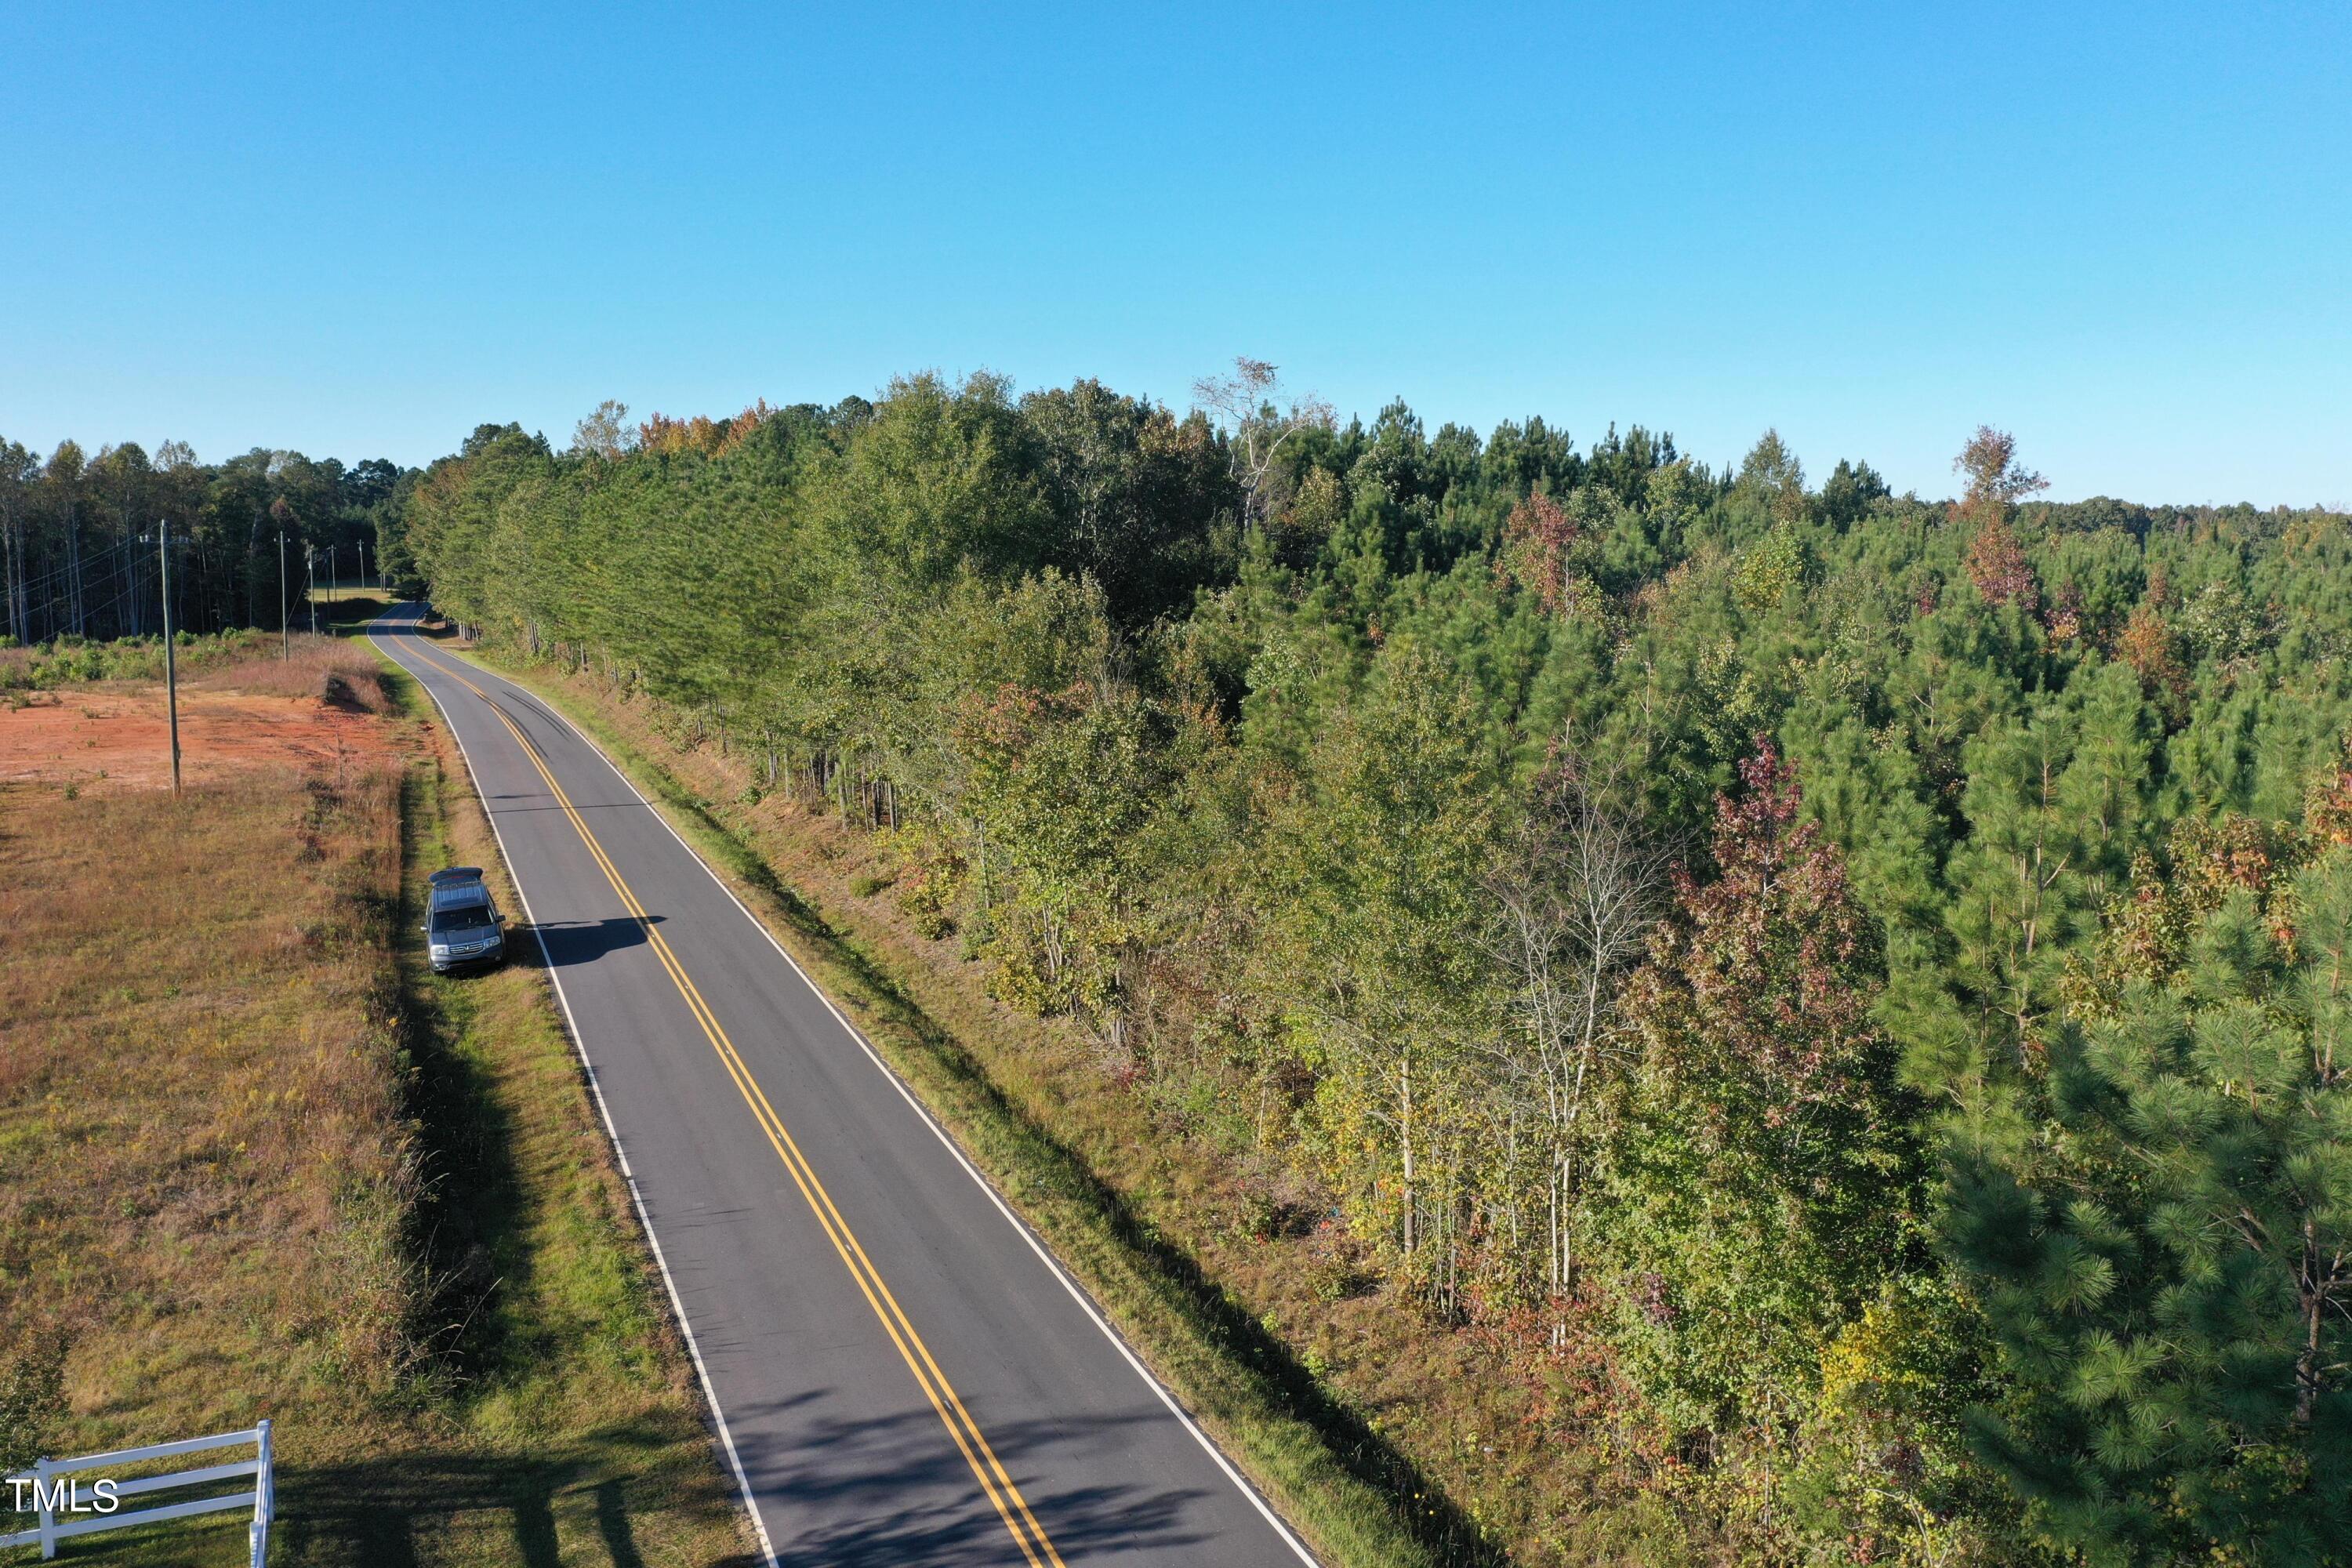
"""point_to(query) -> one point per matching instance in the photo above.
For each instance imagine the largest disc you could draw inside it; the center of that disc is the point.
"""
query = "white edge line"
(596, 1090)
(1027, 1235)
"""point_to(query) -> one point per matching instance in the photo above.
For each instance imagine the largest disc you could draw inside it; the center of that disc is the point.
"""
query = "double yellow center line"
(1027, 1533)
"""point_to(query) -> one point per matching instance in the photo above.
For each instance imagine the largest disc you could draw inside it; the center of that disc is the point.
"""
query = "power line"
(60, 573)
(65, 593)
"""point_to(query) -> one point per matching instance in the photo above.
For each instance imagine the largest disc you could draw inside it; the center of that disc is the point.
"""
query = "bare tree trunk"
(1572, 911)
(1404, 1125)
(16, 590)
(73, 569)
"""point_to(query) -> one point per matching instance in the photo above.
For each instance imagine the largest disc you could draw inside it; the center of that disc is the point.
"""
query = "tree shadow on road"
(1419, 1505)
(895, 1492)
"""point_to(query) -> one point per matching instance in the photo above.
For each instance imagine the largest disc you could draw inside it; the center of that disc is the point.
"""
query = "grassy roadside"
(255, 1160)
(558, 1348)
(1324, 1460)
(350, 614)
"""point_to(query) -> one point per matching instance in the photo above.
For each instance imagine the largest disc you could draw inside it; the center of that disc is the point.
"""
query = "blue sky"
(2123, 232)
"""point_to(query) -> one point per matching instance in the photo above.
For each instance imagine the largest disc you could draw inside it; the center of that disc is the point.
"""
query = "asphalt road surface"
(902, 1375)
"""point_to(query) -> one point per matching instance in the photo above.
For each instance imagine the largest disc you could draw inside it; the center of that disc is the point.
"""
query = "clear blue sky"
(2123, 231)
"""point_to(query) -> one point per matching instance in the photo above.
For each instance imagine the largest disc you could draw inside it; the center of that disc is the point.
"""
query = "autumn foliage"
(699, 434)
(1243, 771)
(1769, 1179)
(2149, 645)
(1770, 970)
(1536, 540)
(1996, 483)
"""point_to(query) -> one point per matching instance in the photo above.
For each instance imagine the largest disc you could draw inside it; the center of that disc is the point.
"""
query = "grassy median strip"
(255, 1160)
(1325, 1466)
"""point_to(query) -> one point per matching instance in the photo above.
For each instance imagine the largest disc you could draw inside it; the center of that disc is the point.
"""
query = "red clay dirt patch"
(116, 736)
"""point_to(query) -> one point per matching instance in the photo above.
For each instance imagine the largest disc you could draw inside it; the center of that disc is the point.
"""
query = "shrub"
(32, 1391)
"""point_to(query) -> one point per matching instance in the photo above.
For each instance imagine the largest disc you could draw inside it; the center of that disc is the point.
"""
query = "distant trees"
(77, 535)
(1857, 969)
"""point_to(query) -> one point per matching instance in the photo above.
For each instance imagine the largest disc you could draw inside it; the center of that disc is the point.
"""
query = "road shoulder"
(1322, 1466)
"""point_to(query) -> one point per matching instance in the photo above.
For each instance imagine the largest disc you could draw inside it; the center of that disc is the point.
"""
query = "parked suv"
(461, 926)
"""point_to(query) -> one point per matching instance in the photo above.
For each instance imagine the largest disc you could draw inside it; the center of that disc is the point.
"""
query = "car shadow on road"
(569, 943)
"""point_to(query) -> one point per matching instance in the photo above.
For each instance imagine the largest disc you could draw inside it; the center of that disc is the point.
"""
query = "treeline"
(78, 556)
(1850, 987)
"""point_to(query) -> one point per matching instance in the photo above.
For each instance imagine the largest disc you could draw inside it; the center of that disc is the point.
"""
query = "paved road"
(902, 1375)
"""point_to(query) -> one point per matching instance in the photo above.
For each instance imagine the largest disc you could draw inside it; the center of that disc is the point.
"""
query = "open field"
(349, 590)
(317, 709)
(254, 1162)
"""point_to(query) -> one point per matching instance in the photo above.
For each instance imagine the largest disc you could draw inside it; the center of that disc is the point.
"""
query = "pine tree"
(2166, 1260)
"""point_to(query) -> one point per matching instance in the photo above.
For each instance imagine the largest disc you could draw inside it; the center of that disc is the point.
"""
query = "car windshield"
(473, 918)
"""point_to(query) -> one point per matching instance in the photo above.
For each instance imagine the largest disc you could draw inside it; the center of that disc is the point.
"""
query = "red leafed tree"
(1774, 959)
(1997, 481)
(1768, 1170)
(1537, 538)
(1998, 566)
(2328, 813)
(2149, 645)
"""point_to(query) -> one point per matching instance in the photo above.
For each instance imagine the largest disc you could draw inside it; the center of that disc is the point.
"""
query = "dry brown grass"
(204, 1172)
(329, 669)
(256, 1159)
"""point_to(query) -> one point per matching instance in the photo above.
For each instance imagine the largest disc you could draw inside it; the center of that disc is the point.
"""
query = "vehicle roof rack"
(458, 888)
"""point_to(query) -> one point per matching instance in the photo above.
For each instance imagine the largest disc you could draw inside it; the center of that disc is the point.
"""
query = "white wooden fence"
(43, 1478)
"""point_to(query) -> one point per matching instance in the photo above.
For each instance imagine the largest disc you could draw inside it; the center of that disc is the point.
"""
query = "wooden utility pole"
(170, 664)
(284, 632)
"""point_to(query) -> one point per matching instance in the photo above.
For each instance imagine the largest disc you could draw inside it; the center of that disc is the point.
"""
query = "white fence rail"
(53, 1495)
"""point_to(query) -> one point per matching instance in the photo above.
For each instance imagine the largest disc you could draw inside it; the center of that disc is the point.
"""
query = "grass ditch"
(255, 1160)
(554, 1337)
(1322, 1458)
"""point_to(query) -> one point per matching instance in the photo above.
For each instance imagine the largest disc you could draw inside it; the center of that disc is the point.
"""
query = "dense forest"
(1853, 984)
(79, 554)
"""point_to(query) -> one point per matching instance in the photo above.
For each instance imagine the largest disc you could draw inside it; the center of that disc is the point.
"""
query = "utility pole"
(171, 665)
(311, 583)
(284, 632)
